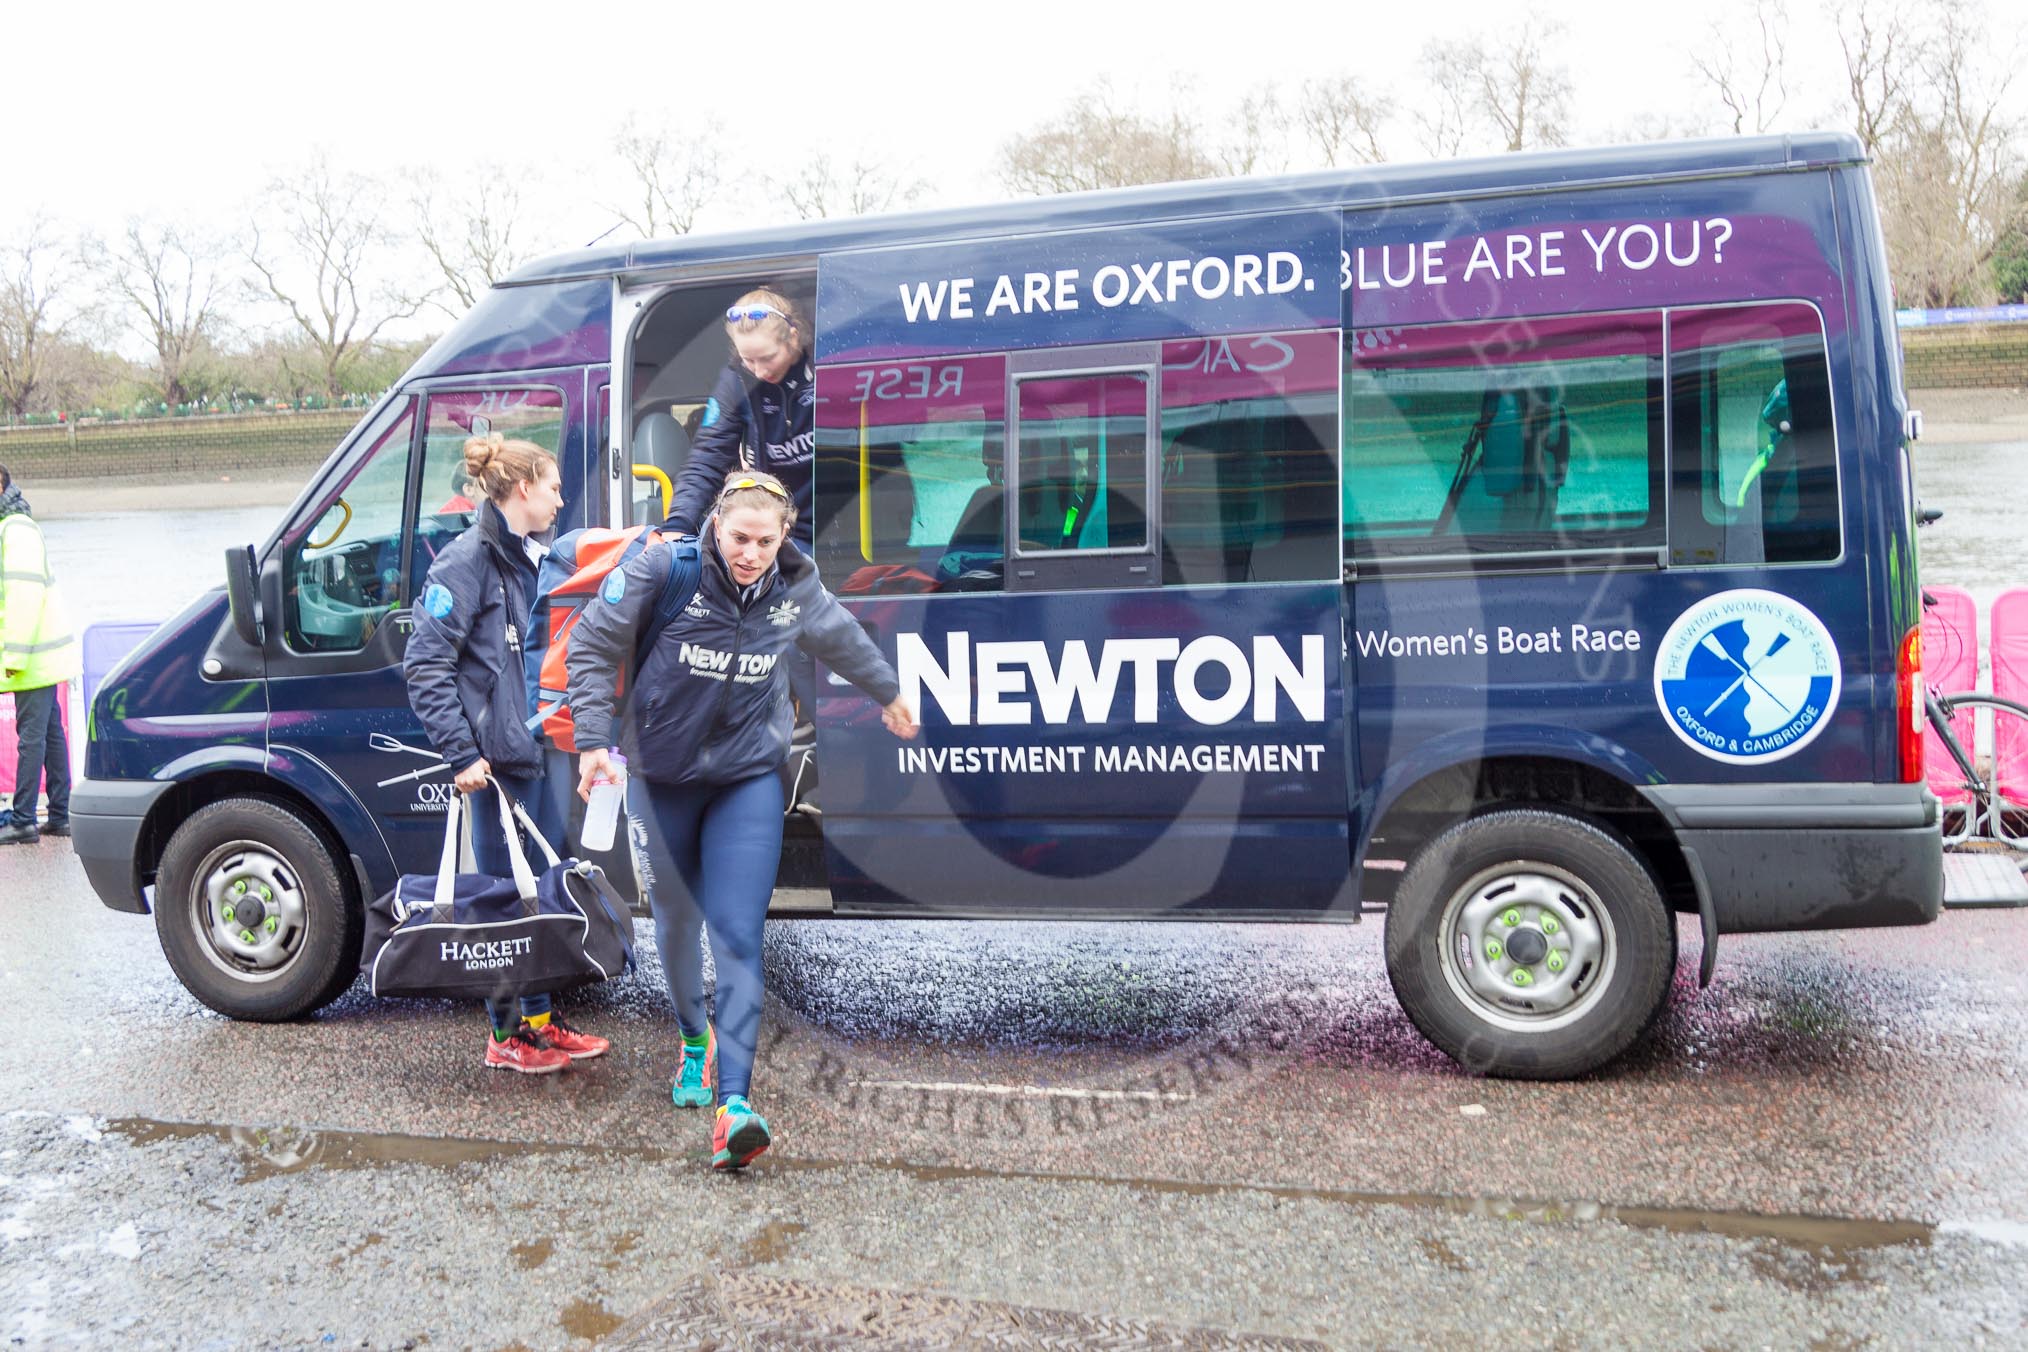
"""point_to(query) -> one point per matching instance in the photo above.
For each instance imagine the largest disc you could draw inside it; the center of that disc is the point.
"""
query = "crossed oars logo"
(1746, 672)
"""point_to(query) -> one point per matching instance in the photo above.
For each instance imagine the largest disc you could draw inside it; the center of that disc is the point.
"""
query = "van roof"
(1369, 185)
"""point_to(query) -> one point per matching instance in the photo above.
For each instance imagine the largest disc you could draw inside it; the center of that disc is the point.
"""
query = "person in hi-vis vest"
(38, 654)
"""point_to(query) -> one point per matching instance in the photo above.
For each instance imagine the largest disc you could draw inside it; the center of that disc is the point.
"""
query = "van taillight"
(1911, 710)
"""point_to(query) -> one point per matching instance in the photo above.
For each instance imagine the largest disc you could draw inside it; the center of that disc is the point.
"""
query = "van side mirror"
(241, 590)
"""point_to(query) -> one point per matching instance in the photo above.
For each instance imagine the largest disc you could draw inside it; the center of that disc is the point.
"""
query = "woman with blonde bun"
(465, 683)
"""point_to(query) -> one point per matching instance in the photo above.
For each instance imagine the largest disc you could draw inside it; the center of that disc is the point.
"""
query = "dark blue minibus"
(1526, 543)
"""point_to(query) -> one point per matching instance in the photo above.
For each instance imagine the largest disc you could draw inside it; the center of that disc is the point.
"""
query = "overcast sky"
(183, 111)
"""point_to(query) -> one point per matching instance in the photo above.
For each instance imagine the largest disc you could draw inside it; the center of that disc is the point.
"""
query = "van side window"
(910, 475)
(442, 509)
(1516, 436)
(1249, 433)
(1082, 462)
(1754, 463)
(342, 573)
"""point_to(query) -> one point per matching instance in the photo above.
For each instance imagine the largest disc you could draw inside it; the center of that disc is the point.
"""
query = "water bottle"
(602, 813)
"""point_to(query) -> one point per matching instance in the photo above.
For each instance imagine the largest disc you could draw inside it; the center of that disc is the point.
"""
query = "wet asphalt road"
(1174, 1136)
(1164, 1135)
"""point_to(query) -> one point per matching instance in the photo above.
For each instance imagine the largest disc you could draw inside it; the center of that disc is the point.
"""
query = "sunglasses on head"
(738, 484)
(739, 312)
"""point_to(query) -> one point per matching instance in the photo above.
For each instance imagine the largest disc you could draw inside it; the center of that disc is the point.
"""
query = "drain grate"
(741, 1310)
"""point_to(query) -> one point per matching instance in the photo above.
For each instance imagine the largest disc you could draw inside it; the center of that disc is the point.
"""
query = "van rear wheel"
(252, 914)
(1530, 944)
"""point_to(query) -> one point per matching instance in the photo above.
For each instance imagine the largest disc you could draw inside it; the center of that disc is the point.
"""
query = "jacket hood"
(12, 503)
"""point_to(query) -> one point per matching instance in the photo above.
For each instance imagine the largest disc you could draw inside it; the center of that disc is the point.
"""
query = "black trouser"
(43, 747)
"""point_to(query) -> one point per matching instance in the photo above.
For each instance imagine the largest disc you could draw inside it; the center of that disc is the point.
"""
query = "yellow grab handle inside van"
(668, 489)
(865, 503)
(332, 538)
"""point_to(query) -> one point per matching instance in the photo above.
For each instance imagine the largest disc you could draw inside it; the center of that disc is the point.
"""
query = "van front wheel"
(1530, 944)
(252, 914)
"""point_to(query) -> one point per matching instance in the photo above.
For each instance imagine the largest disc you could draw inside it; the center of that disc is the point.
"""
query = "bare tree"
(169, 281)
(674, 178)
(1511, 89)
(1949, 162)
(1258, 144)
(825, 188)
(1443, 118)
(1749, 77)
(1878, 44)
(32, 278)
(1526, 97)
(1342, 121)
(1097, 144)
(467, 228)
(324, 260)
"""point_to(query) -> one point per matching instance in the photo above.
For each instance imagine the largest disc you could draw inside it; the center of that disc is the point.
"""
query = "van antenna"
(603, 233)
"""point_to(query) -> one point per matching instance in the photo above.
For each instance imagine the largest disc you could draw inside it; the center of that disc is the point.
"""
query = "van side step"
(1983, 879)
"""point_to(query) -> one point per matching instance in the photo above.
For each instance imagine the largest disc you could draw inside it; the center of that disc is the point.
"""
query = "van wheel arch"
(193, 795)
(1431, 805)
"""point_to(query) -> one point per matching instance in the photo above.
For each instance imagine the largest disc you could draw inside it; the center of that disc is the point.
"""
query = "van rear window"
(1754, 464)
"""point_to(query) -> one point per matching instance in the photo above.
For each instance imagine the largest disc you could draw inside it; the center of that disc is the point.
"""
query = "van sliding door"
(1083, 491)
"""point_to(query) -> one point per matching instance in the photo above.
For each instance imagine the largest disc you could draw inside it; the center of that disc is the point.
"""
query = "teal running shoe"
(697, 1074)
(740, 1135)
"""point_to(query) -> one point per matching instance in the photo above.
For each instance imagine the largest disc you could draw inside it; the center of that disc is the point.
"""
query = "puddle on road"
(773, 1242)
(272, 1152)
(588, 1320)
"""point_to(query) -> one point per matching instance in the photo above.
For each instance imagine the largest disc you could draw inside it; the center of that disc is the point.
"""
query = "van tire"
(304, 928)
(1593, 947)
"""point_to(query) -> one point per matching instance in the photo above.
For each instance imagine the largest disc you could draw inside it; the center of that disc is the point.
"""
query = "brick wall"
(176, 447)
(1966, 356)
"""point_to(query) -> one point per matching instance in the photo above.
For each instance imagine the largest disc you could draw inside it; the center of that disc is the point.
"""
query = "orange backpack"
(572, 573)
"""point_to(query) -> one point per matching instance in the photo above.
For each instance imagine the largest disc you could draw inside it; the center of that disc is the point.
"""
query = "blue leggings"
(714, 849)
(489, 854)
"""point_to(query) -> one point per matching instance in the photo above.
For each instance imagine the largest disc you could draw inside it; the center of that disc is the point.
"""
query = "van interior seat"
(660, 440)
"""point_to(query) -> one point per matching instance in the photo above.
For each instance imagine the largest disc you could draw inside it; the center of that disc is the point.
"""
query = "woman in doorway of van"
(709, 731)
(465, 683)
(761, 414)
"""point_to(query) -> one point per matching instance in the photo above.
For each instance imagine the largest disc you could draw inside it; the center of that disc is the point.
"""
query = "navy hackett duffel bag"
(457, 934)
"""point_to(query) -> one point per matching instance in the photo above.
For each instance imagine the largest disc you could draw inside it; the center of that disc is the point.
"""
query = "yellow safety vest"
(37, 647)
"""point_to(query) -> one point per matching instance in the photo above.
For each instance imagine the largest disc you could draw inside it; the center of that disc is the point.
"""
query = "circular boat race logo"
(1747, 676)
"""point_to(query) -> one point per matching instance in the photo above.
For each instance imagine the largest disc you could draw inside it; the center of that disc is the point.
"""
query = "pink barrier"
(2009, 653)
(7, 743)
(1950, 662)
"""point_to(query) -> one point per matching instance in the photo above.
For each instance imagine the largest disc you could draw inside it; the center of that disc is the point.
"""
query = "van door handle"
(1137, 567)
(1024, 572)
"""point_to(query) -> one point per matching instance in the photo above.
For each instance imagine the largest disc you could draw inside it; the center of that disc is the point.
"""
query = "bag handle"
(524, 878)
(447, 865)
(535, 834)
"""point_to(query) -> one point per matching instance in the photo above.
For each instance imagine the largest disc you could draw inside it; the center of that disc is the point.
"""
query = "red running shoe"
(526, 1052)
(577, 1046)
